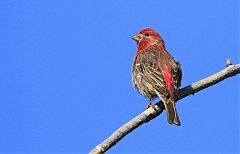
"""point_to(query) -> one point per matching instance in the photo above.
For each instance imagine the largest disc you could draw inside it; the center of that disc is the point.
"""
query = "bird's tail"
(171, 110)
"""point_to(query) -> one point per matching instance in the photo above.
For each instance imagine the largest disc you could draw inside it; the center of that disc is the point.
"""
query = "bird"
(155, 73)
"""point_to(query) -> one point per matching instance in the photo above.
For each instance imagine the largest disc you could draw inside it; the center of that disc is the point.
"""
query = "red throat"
(145, 44)
(142, 45)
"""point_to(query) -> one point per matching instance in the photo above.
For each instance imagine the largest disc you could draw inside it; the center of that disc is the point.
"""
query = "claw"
(149, 105)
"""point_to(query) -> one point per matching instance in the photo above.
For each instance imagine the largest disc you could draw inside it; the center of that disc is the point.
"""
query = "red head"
(146, 38)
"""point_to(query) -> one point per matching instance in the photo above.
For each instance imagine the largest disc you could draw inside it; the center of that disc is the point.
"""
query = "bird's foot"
(149, 105)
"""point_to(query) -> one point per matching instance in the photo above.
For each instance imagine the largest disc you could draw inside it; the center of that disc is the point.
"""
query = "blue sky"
(66, 75)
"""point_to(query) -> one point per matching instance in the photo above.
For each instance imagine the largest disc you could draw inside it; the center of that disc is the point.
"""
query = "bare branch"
(158, 108)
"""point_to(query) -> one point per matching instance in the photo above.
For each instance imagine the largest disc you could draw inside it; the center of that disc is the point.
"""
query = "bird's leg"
(149, 104)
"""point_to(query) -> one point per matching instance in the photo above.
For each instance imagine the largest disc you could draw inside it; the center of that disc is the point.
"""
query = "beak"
(137, 37)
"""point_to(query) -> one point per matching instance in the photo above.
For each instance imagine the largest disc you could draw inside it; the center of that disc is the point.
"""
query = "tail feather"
(171, 110)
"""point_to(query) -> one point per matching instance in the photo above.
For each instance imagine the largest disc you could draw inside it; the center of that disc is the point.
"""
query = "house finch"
(155, 73)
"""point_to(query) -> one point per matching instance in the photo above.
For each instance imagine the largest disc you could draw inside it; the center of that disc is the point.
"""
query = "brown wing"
(147, 64)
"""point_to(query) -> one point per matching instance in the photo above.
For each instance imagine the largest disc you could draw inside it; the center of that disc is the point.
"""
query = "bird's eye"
(146, 34)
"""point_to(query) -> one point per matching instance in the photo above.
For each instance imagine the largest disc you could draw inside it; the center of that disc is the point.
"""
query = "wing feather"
(150, 71)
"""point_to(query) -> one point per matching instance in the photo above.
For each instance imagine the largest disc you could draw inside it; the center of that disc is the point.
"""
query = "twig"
(158, 108)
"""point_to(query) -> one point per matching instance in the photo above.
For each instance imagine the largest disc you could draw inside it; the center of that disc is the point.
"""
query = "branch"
(158, 108)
